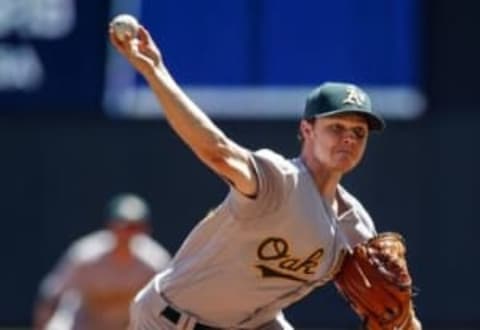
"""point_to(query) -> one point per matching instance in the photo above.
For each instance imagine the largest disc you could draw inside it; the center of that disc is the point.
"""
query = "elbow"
(217, 151)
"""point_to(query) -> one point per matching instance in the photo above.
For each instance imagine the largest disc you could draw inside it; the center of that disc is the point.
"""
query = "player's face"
(337, 143)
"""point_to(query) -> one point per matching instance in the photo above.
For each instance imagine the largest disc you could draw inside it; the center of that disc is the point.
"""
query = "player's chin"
(345, 164)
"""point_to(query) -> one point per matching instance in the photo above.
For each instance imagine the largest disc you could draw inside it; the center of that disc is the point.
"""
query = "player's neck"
(122, 252)
(325, 180)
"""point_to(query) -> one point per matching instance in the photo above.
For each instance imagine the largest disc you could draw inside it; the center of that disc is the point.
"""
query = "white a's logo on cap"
(354, 96)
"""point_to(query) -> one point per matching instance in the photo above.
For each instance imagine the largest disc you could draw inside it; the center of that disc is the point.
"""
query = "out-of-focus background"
(77, 126)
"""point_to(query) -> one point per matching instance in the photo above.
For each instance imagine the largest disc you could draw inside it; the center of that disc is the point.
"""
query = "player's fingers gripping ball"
(375, 280)
(125, 27)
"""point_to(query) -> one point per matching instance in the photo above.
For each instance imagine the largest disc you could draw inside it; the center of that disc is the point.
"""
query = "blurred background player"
(93, 283)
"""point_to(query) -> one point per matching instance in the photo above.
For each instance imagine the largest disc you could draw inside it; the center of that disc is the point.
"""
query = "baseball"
(125, 26)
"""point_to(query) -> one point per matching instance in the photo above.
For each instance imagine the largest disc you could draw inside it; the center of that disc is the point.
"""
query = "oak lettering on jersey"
(277, 249)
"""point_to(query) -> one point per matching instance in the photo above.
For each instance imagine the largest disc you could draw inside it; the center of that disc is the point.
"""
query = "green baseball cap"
(128, 208)
(333, 98)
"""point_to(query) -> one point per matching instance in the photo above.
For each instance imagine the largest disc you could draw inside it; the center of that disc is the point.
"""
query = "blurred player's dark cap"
(332, 98)
(128, 208)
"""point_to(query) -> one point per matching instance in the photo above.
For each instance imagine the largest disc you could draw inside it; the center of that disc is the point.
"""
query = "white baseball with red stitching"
(125, 26)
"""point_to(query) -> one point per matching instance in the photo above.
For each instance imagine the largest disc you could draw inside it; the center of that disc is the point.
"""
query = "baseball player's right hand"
(141, 52)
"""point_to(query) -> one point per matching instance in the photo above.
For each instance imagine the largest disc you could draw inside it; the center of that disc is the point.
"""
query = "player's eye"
(337, 128)
(359, 132)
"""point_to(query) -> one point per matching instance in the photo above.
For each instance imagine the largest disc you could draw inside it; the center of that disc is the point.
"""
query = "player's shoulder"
(150, 251)
(349, 197)
(276, 160)
(91, 246)
(270, 155)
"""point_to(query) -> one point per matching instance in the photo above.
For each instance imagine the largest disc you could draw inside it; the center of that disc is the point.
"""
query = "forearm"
(206, 140)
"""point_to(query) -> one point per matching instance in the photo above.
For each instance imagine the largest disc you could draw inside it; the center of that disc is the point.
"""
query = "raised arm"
(207, 141)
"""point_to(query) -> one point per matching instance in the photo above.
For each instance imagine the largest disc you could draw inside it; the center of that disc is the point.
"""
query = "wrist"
(416, 325)
(412, 323)
(155, 73)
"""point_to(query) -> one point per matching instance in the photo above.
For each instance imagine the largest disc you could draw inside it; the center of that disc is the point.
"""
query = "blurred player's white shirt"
(104, 286)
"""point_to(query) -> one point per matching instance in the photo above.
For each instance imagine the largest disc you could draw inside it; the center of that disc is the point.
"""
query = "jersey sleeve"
(368, 219)
(275, 176)
(60, 279)
(150, 252)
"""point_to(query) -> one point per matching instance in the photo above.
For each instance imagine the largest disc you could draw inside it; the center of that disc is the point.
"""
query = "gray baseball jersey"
(104, 286)
(252, 257)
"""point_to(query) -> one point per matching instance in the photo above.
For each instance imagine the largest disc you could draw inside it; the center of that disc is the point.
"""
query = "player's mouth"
(344, 152)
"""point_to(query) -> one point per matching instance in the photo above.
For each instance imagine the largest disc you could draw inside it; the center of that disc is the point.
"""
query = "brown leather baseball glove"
(375, 280)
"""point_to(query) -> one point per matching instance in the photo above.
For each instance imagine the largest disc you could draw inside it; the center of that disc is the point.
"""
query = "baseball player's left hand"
(141, 52)
(375, 280)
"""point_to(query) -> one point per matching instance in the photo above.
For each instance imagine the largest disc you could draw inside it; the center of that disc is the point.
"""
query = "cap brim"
(375, 122)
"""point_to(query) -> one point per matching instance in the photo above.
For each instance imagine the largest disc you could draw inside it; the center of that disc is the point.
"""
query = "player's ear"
(305, 129)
